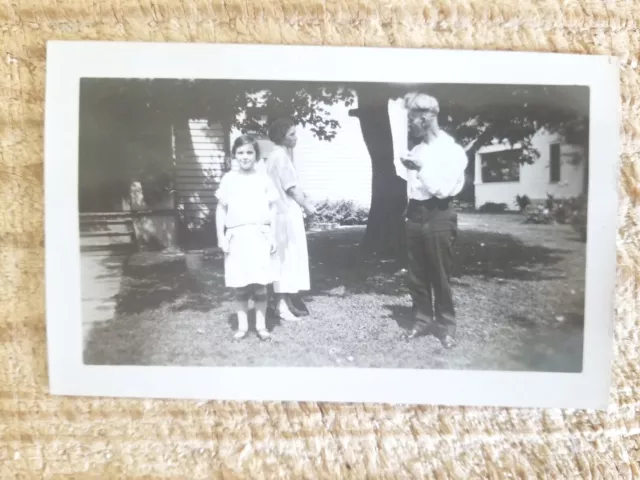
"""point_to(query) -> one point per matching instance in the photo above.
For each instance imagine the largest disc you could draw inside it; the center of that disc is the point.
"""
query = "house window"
(554, 163)
(502, 166)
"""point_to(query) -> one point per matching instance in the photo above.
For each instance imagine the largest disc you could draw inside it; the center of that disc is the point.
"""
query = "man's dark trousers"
(432, 227)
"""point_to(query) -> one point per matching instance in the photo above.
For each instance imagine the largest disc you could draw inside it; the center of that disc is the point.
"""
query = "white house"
(499, 177)
(339, 169)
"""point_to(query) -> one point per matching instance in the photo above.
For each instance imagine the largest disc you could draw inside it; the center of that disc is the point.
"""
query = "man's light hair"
(420, 101)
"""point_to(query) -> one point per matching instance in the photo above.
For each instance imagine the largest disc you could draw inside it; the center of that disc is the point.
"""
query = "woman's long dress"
(292, 255)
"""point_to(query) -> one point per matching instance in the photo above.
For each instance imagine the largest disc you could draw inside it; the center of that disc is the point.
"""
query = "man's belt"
(431, 203)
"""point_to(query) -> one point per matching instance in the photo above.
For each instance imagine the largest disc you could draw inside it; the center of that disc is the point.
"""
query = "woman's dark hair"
(246, 140)
(279, 128)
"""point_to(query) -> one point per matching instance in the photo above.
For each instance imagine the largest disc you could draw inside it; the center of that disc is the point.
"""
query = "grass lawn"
(519, 294)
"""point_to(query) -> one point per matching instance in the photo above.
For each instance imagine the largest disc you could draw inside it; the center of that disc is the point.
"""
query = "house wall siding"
(535, 178)
(334, 170)
(339, 169)
(199, 157)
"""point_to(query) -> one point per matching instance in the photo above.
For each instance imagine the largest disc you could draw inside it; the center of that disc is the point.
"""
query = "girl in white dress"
(292, 256)
(246, 228)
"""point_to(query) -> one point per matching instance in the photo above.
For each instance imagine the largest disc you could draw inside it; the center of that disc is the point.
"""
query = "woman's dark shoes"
(297, 306)
(298, 312)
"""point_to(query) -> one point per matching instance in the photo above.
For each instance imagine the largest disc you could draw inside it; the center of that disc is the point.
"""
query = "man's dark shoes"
(416, 332)
(448, 341)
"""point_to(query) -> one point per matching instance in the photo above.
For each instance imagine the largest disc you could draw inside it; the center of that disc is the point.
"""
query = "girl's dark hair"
(246, 140)
(279, 128)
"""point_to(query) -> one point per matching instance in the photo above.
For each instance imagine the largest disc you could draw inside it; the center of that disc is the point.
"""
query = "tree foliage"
(476, 115)
(305, 103)
(514, 114)
(227, 101)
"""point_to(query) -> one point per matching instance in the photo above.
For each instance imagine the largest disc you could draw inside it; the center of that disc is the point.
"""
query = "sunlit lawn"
(518, 292)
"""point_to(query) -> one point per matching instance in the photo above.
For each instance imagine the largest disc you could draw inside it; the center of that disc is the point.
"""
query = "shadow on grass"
(402, 315)
(101, 276)
(340, 267)
(166, 313)
(499, 255)
(556, 346)
(152, 281)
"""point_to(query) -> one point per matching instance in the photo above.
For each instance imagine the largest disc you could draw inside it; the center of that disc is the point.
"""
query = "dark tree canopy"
(479, 114)
(223, 100)
(474, 114)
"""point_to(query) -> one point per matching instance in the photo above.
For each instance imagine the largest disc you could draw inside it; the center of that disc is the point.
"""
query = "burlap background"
(44, 437)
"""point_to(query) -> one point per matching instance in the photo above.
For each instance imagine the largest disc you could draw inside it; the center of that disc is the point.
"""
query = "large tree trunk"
(385, 227)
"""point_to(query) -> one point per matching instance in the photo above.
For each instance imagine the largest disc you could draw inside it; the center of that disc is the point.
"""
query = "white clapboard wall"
(335, 170)
(199, 153)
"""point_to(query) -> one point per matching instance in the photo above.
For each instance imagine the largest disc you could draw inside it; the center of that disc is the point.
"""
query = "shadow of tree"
(339, 266)
(152, 281)
(500, 255)
(169, 310)
(555, 345)
(402, 315)
(109, 262)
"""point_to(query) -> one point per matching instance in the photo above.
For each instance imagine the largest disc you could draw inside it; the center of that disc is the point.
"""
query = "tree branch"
(479, 139)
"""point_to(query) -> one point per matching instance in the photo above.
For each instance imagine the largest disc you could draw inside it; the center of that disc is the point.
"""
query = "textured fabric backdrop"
(45, 437)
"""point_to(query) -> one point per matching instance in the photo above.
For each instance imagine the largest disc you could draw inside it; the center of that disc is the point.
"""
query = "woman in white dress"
(291, 256)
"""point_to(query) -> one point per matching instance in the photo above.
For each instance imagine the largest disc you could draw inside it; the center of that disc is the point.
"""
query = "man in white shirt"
(435, 172)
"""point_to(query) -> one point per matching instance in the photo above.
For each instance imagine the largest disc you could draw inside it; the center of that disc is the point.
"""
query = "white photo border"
(67, 62)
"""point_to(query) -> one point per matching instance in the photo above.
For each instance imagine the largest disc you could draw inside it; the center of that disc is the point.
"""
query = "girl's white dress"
(248, 197)
(292, 255)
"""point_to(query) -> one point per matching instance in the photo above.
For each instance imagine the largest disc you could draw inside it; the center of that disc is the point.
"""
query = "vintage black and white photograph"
(352, 224)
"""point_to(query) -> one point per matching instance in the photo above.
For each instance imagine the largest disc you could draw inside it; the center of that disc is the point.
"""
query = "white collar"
(442, 138)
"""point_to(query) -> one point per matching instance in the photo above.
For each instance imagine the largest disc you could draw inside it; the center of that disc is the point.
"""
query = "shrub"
(462, 205)
(492, 207)
(196, 231)
(523, 201)
(538, 214)
(571, 211)
(575, 214)
(340, 212)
